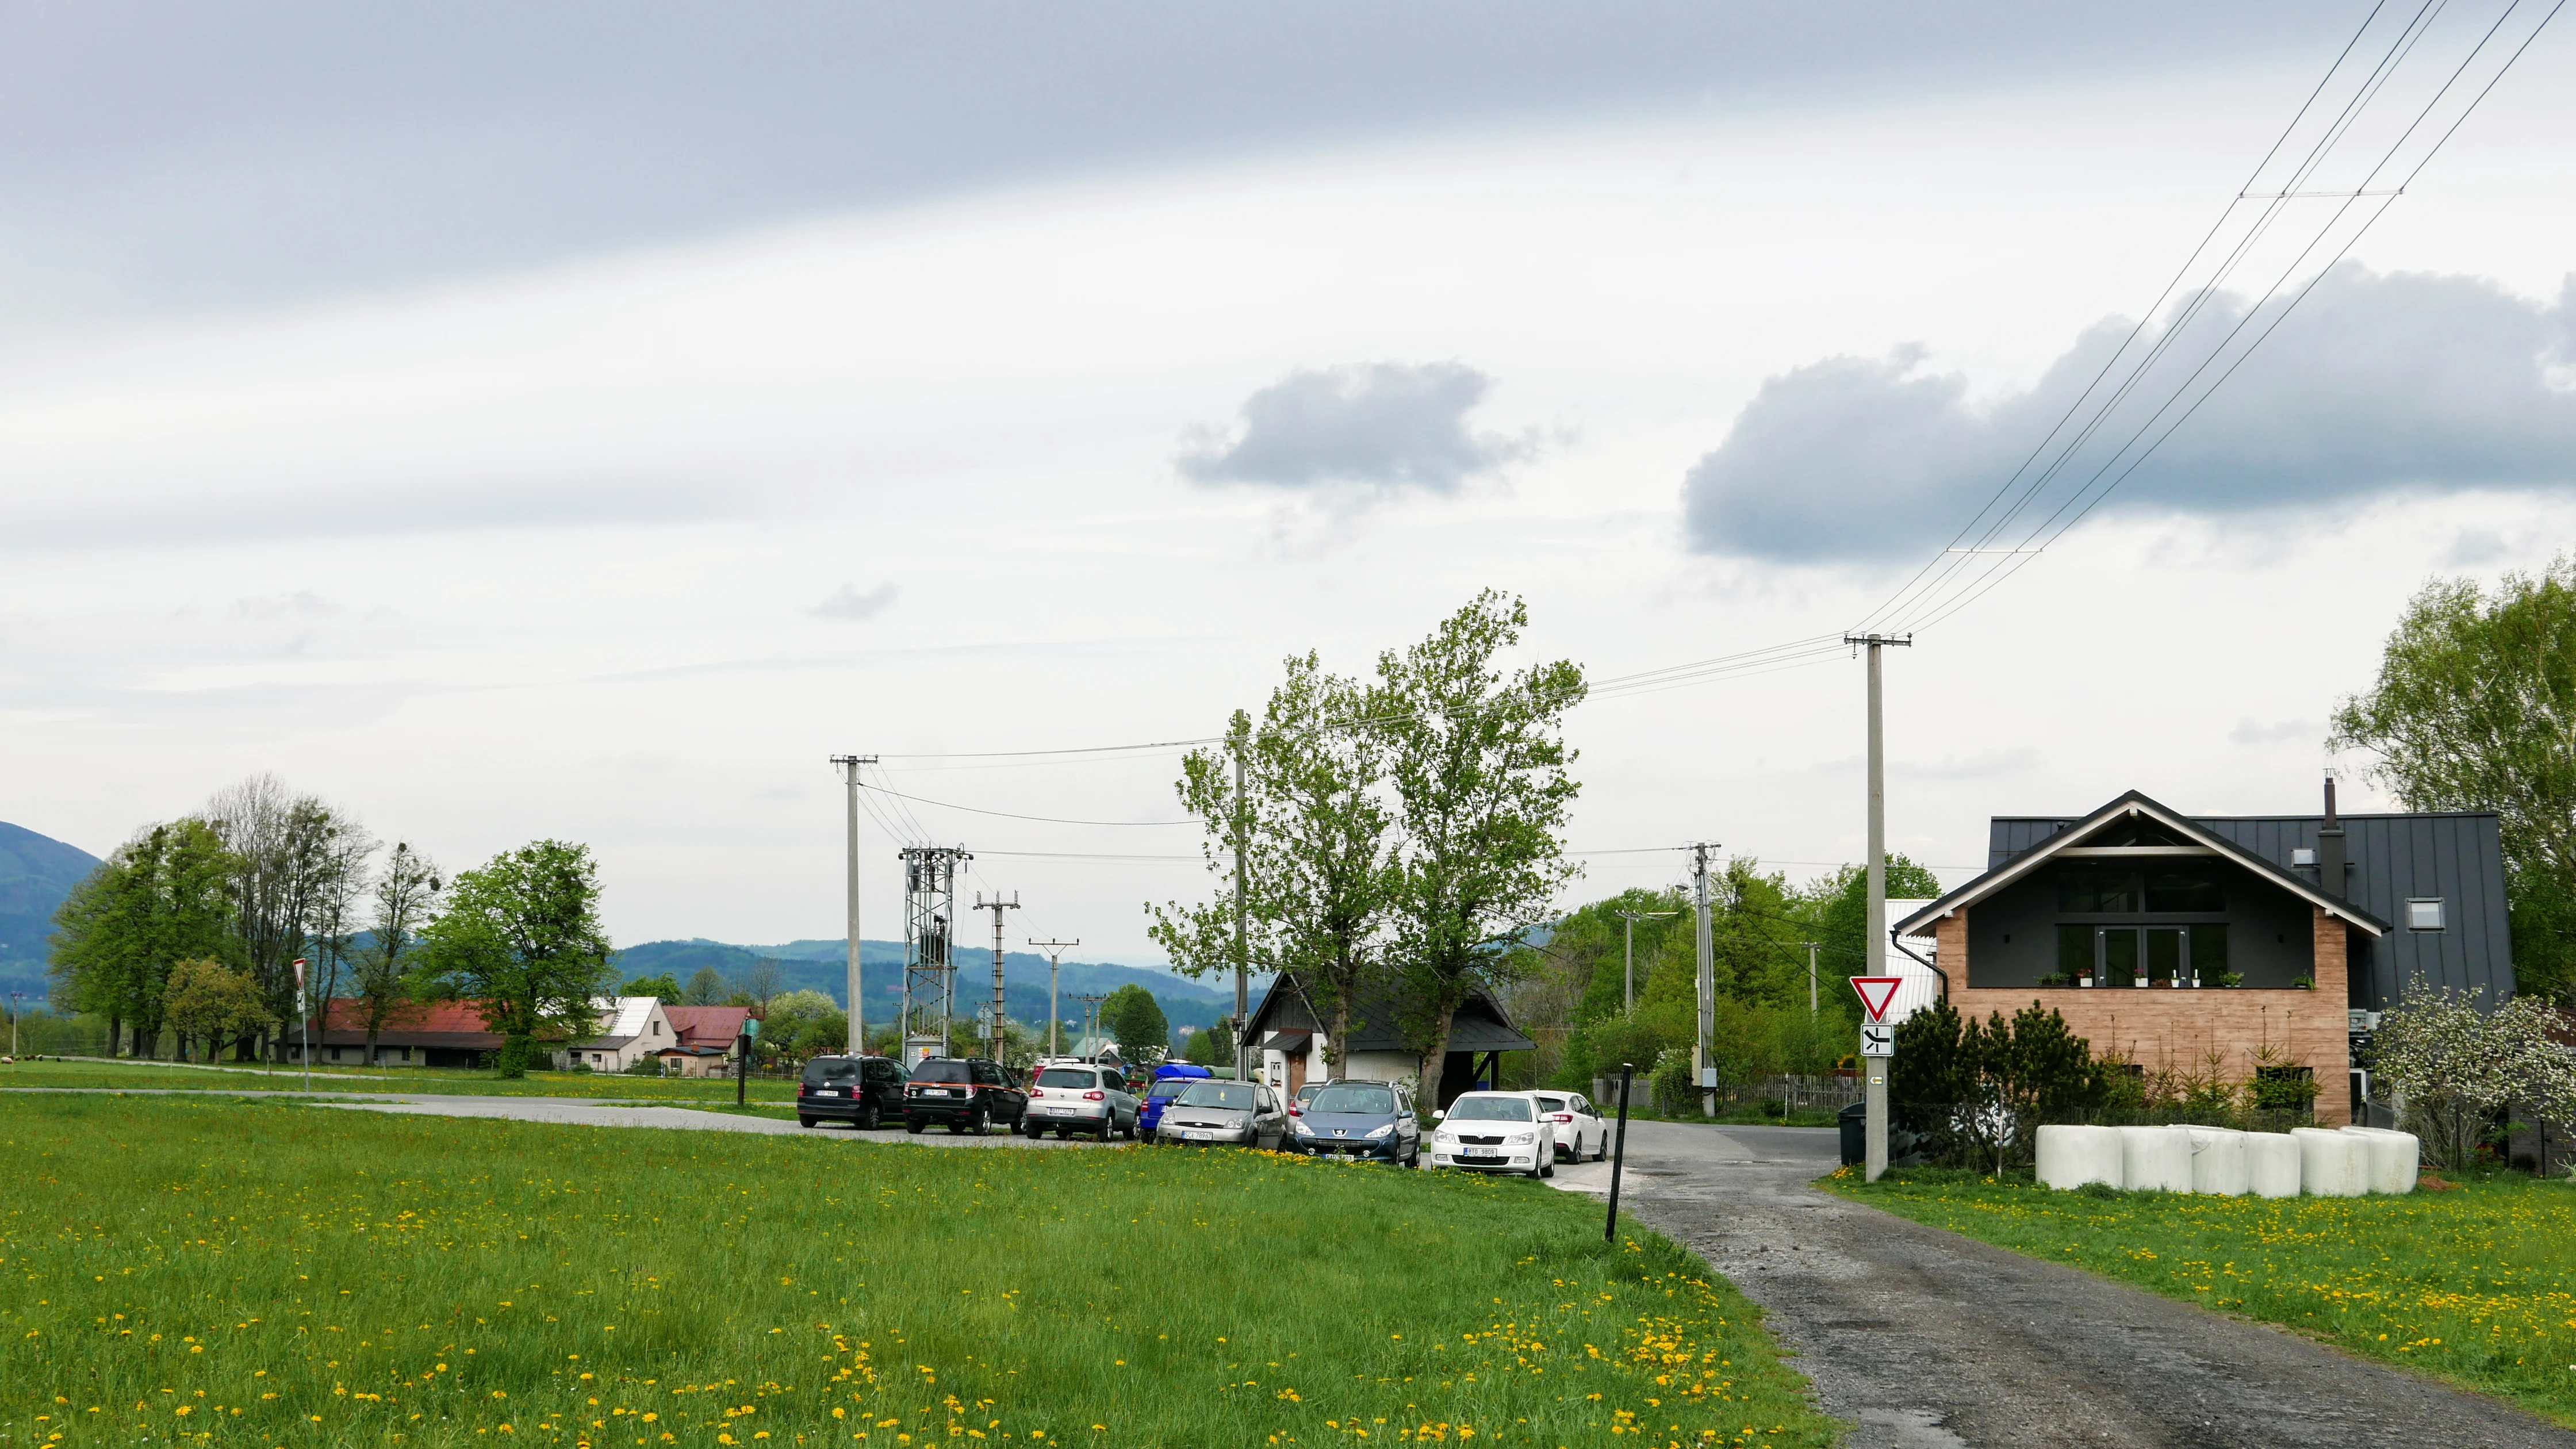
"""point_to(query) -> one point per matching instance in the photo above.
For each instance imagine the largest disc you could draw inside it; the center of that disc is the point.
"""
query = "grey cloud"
(2249, 732)
(849, 601)
(239, 149)
(2377, 384)
(1381, 425)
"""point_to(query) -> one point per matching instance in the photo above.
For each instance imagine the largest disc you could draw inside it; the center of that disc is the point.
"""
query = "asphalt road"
(1924, 1338)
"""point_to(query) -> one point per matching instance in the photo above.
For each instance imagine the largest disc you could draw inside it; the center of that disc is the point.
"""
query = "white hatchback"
(1495, 1132)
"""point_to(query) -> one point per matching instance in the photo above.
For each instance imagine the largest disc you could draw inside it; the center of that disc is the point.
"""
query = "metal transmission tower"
(930, 922)
(993, 1028)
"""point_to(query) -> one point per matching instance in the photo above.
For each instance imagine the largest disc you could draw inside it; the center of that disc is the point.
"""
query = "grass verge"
(388, 1080)
(2472, 1285)
(199, 1270)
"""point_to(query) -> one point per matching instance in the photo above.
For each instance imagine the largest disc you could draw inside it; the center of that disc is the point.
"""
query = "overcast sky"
(582, 420)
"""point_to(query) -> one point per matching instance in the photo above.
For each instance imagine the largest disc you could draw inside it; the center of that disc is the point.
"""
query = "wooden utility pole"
(1242, 950)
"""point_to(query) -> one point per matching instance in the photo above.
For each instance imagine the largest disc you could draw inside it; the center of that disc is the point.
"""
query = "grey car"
(1244, 1114)
(1086, 1099)
(1374, 1121)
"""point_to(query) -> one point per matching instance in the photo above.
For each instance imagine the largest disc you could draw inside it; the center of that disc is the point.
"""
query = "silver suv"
(1087, 1099)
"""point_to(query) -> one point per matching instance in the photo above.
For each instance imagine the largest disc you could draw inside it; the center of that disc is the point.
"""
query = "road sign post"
(1877, 994)
(1619, 1152)
(304, 1025)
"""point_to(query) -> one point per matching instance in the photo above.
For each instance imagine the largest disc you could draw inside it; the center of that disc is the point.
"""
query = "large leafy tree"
(1478, 762)
(1314, 818)
(2475, 709)
(160, 898)
(1838, 906)
(1136, 1020)
(521, 938)
(207, 999)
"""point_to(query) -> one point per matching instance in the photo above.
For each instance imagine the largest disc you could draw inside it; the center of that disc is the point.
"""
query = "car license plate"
(1199, 1136)
(1058, 1111)
(827, 1094)
(1480, 1157)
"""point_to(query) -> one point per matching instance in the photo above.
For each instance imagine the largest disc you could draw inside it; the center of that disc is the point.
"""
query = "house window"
(2091, 891)
(2424, 913)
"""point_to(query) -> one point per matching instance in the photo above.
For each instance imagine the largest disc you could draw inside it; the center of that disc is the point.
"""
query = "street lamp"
(1632, 918)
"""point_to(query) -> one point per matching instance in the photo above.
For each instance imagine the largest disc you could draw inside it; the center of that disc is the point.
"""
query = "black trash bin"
(1854, 1120)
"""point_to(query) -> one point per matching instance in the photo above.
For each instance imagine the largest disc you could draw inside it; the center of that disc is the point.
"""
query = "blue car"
(1170, 1080)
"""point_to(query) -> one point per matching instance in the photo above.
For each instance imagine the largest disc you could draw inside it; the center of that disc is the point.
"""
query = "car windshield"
(1067, 1077)
(1551, 1104)
(1170, 1087)
(831, 1069)
(938, 1071)
(1232, 1096)
(1377, 1101)
(1490, 1109)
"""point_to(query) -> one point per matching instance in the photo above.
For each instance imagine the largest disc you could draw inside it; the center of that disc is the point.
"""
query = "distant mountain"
(36, 872)
(823, 966)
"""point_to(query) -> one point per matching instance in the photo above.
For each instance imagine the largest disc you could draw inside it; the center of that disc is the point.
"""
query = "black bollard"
(1619, 1152)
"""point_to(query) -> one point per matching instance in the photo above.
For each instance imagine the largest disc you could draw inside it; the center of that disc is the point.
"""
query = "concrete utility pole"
(1811, 974)
(858, 1010)
(1055, 956)
(1874, 1070)
(1706, 1071)
(1629, 999)
(1090, 1016)
(1242, 951)
(997, 905)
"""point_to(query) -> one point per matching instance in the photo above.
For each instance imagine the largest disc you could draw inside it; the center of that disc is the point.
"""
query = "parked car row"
(1525, 1133)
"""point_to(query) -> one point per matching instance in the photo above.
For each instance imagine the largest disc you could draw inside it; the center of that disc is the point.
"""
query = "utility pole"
(1874, 1165)
(1090, 1015)
(1055, 955)
(1706, 1071)
(1811, 974)
(997, 905)
(1629, 999)
(1242, 951)
(858, 1009)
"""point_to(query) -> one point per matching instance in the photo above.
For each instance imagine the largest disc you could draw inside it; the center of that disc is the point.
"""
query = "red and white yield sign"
(1877, 993)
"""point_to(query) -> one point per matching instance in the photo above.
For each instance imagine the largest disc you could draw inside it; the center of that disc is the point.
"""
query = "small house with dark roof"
(1291, 1034)
(2164, 938)
(413, 1034)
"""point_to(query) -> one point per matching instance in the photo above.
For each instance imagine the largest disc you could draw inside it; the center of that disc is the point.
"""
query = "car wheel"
(1108, 1126)
(804, 1121)
(913, 1125)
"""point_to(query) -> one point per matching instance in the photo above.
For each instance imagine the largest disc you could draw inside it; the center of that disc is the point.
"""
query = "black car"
(862, 1091)
(1370, 1120)
(964, 1094)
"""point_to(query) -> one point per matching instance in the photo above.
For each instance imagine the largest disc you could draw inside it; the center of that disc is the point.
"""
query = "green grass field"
(209, 1270)
(237, 1078)
(2476, 1285)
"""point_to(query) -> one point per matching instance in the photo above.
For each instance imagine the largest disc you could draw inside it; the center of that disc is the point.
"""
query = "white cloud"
(849, 601)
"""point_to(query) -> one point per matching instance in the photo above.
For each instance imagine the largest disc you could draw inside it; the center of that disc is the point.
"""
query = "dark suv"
(862, 1091)
(966, 1094)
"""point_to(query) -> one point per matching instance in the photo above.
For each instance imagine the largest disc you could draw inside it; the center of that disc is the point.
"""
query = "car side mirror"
(1439, 1115)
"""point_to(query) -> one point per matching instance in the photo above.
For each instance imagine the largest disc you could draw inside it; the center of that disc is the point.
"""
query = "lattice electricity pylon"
(930, 919)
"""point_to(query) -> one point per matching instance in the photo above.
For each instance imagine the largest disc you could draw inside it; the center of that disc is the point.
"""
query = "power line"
(1008, 815)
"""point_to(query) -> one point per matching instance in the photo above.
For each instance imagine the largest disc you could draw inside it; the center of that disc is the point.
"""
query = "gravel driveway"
(1925, 1338)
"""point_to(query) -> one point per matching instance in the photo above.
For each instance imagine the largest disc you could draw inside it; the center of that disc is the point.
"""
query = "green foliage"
(1975, 1091)
(664, 988)
(2475, 709)
(706, 988)
(1135, 1019)
(1842, 919)
(209, 1001)
(1213, 1047)
(521, 937)
(160, 898)
(406, 896)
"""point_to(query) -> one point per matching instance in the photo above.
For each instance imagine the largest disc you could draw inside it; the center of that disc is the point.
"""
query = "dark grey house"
(2170, 939)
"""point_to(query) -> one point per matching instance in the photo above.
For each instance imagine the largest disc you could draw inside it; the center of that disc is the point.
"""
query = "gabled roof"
(1479, 1025)
(2135, 803)
(706, 1025)
(416, 1018)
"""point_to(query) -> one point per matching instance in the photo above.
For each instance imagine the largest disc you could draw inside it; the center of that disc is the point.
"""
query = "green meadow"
(207, 1270)
(235, 1077)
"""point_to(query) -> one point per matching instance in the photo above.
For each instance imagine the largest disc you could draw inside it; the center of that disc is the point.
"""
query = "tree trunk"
(370, 1059)
(115, 1029)
(1435, 1063)
(1337, 1055)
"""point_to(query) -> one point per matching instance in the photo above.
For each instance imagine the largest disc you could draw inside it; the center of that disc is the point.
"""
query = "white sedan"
(1495, 1132)
(1582, 1133)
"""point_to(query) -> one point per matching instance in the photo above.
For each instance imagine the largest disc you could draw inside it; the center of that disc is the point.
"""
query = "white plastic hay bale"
(2392, 1161)
(2070, 1157)
(2155, 1159)
(2331, 1163)
(2217, 1161)
(2271, 1164)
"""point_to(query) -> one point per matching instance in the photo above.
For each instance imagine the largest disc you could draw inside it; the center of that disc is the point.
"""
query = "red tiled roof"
(349, 1014)
(706, 1026)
